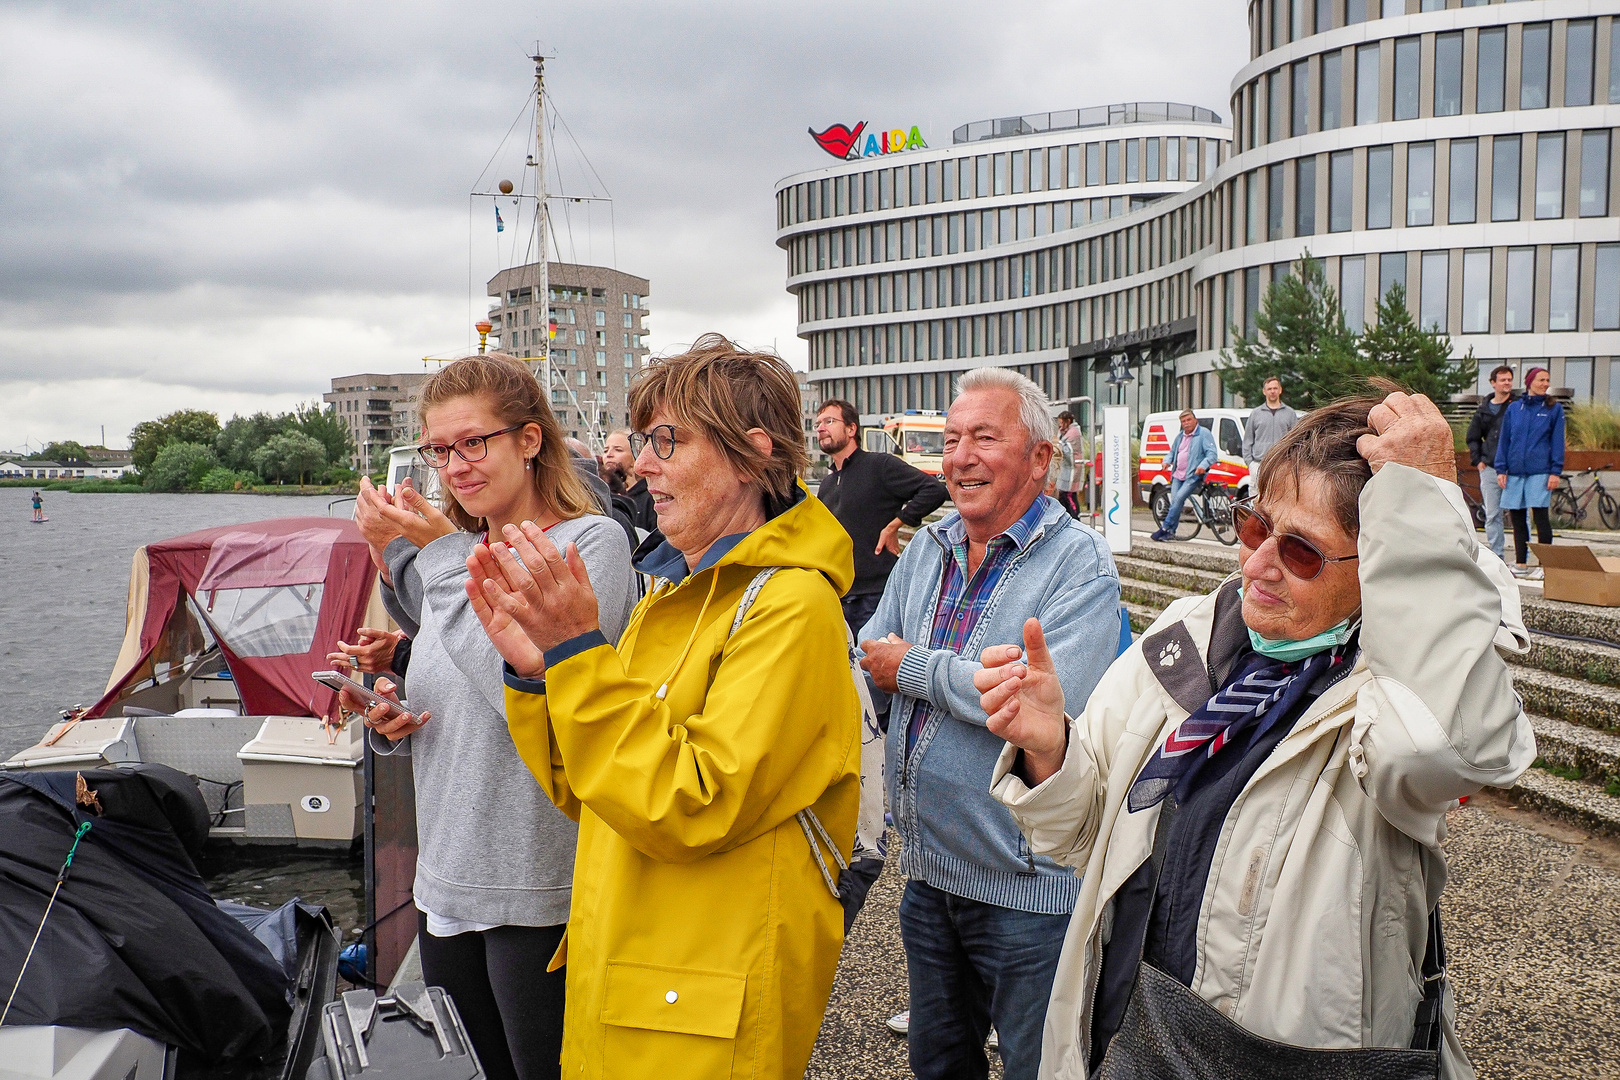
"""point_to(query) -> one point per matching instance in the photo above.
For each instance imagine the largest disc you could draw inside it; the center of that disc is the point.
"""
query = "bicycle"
(1208, 505)
(1570, 509)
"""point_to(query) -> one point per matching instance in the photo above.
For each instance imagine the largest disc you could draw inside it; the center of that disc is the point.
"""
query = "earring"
(528, 463)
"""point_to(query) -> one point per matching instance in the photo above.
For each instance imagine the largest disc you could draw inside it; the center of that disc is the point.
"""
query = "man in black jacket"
(1483, 431)
(871, 495)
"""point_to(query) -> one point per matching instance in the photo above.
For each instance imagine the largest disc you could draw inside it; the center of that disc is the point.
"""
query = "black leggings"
(1521, 531)
(511, 1006)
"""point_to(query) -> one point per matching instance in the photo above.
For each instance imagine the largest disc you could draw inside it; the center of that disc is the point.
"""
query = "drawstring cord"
(714, 581)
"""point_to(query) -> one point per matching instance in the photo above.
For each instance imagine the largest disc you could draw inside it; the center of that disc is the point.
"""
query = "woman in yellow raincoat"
(704, 935)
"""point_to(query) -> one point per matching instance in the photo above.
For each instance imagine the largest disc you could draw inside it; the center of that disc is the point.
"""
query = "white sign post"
(1117, 478)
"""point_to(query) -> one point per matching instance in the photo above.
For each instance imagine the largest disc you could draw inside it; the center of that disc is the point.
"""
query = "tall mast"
(542, 290)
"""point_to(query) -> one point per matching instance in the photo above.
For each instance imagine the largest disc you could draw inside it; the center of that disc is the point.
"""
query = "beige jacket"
(1315, 915)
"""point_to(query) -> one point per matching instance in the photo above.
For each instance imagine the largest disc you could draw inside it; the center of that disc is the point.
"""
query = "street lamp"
(483, 326)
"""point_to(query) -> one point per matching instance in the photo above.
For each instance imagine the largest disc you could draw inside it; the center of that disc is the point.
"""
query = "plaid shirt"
(963, 597)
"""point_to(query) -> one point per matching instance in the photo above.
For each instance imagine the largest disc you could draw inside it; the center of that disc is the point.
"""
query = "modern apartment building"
(600, 319)
(1463, 149)
(380, 411)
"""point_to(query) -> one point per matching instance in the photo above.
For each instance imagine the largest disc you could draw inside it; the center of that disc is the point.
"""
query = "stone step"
(1150, 594)
(1189, 578)
(1192, 554)
(1560, 617)
(1572, 700)
(1583, 660)
(1595, 754)
(1587, 805)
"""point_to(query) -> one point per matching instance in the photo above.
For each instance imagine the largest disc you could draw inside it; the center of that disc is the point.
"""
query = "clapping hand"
(1024, 700)
(529, 596)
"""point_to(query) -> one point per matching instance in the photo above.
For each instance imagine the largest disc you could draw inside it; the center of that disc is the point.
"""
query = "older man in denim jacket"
(983, 919)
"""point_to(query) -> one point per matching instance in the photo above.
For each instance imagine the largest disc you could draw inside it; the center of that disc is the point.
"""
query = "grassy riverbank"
(120, 487)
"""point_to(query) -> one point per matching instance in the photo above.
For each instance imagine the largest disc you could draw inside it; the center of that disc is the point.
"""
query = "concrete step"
(1150, 594)
(1575, 659)
(1595, 754)
(1560, 617)
(1587, 805)
(1189, 578)
(1194, 554)
(1571, 700)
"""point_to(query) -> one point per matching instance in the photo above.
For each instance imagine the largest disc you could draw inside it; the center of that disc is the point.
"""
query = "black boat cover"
(134, 939)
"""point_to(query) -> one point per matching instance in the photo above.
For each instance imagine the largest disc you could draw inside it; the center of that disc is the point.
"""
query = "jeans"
(1179, 491)
(1491, 497)
(971, 965)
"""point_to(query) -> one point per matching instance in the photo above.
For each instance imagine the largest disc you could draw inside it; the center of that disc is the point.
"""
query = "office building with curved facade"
(1464, 150)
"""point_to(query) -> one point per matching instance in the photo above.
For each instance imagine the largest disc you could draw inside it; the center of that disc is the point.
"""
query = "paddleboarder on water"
(39, 508)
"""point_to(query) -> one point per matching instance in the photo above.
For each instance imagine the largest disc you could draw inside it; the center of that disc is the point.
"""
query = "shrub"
(179, 467)
(223, 479)
(1592, 426)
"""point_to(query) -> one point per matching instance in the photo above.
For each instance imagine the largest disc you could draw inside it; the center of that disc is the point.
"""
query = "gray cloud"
(226, 205)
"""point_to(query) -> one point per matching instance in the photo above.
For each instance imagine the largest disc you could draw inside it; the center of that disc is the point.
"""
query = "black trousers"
(1521, 531)
(512, 1007)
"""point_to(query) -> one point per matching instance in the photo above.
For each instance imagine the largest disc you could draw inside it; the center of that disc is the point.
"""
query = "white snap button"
(671, 997)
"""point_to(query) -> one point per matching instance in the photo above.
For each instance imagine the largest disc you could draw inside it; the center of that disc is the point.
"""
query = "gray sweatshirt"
(1264, 427)
(491, 847)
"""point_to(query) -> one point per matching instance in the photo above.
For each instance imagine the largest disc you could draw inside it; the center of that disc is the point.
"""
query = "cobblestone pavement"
(1532, 916)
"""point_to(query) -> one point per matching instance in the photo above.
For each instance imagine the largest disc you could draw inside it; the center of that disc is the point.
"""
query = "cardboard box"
(1572, 573)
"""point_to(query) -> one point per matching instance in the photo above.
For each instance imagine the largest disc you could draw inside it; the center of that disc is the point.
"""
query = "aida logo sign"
(847, 144)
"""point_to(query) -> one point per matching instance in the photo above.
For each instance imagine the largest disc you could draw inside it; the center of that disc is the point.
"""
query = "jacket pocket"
(653, 1015)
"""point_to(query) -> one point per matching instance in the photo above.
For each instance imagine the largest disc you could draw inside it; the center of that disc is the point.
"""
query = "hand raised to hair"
(1409, 430)
(1024, 700)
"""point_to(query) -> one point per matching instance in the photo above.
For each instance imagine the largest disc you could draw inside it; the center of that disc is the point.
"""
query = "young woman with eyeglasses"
(495, 857)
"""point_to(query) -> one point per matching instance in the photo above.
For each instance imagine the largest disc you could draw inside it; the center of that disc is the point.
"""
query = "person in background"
(982, 918)
(872, 496)
(495, 861)
(694, 751)
(1256, 792)
(616, 453)
(1071, 465)
(1529, 463)
(1483, 432)
(1267, 423)
(39, 507)
(1192, 453)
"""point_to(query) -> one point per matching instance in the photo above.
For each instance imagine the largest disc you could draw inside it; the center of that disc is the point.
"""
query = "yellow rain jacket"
(702, 940)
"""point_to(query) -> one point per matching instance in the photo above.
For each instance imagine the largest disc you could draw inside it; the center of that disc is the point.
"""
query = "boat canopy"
(275, 596)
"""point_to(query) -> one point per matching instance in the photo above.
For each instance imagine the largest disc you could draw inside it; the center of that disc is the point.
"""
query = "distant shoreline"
(115, 487)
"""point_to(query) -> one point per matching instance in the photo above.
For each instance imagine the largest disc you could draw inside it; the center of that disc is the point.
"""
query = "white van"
(1160, 429)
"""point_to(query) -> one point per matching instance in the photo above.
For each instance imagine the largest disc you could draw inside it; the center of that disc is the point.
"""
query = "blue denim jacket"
(954, 835)
(1203, 455)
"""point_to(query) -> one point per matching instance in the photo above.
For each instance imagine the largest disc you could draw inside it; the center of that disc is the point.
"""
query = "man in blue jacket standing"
(1191, 455)
(982, 918)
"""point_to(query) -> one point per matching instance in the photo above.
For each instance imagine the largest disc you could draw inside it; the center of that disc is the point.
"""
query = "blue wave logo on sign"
(1113, 510)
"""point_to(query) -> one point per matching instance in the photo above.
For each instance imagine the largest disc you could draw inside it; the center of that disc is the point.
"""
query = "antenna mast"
(542, 288)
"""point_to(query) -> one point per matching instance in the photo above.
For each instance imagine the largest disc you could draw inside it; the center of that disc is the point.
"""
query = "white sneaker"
(900, 1023)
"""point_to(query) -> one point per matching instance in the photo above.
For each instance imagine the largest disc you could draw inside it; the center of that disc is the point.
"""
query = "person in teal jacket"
(1191, 456)
(1529, 464)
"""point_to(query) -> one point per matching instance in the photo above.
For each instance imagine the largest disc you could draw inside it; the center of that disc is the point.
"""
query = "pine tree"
(1417, 359)
(1302, 340)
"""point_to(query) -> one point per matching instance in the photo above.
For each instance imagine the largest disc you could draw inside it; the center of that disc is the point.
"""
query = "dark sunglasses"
(661, 437)
(1299, 556)
(472, 448)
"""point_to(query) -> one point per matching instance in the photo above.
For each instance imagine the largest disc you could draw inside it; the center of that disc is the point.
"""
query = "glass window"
(1132, 161)
(1578, 376)
(1355, 11)
(1534, 60)
(1301, 98)
(1152, 155)
(1476, 298)
(1579, 45)
(1274, 203)
(1367, 84)
(1093, 164)
(981, 168)
(1251, 300)
(1353, 291)
(948, 184)
(1252, 231)
(1113, 162)
(1490, 94)
(1172, 159)
(1341, 185)
(1017, 166)
(1305, 197)
(1505, 178)
(1460, 197)
(1594, 173)
(1276, 106)
(1296, 29)
(1380, 186)
(1614, 96)
(1054, 168)
(1420, 184)
(1393, 8)
(1519, 316)
(1332, 84)
(1563, 279)
(1434, 291)
(1448, 74)
(1391, 272)
(999, 174)
(1606, 296)
(1549, 176)
(1324, 15)
(1406, 78)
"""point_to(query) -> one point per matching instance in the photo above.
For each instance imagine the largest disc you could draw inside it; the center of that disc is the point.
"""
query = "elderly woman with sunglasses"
(1257, 790)
(495, 858)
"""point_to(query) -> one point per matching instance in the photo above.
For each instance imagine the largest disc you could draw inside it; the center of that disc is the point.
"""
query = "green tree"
(290, 455)
(62, 451)
(1417, 359)
(323, 425)
(242, 435)
(149, 437)
(179, 466)
(1301, 340)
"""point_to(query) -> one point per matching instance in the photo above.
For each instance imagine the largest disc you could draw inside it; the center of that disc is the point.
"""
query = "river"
(63, 590)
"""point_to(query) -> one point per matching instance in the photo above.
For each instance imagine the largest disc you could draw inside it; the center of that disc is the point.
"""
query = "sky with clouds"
(222, 206)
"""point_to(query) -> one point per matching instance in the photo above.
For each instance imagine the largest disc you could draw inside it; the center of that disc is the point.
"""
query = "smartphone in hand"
(341, 682)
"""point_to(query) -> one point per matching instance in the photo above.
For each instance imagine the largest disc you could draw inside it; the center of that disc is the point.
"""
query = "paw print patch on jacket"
(1170, 653)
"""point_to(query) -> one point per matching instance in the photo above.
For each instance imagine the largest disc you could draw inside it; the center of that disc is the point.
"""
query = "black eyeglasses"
(1299, 556)
(472, 448)
(661, 437)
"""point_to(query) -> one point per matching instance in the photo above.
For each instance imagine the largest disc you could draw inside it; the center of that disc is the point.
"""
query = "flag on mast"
(500, 226)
